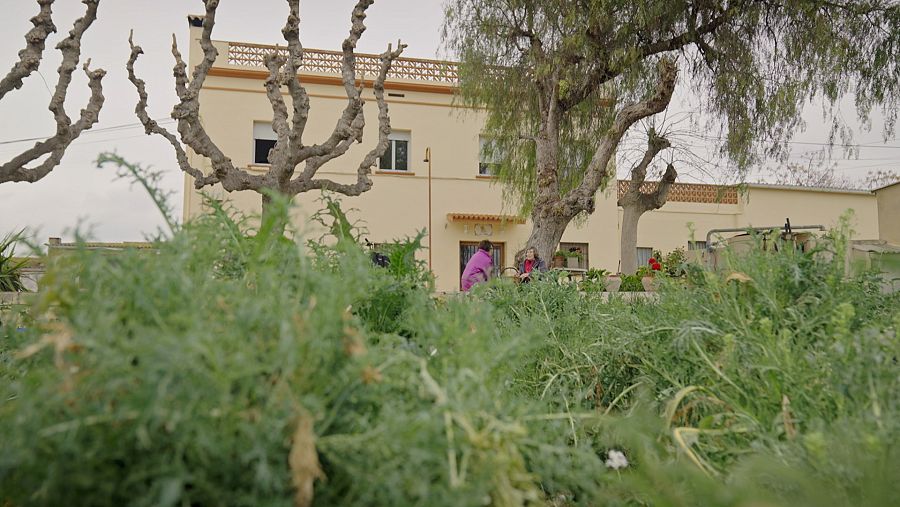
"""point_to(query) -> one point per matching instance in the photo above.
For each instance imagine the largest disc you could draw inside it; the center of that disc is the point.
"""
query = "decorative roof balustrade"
(330, 62)
(689, 192)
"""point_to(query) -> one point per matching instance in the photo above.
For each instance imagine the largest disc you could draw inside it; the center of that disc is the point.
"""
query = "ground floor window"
(468, 248)
(577, 252)
(643, 255)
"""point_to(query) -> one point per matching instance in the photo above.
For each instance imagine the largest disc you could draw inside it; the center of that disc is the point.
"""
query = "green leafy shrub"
(10, 268)
(594, 280)
(673, 263)
(231, 366)
(631, 283)
(776, 365)
(197, 374)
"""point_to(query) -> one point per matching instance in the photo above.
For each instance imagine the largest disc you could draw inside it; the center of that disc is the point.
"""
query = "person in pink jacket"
(479, 267)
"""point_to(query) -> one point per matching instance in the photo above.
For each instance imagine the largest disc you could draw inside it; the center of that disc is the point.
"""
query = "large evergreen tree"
(564, 81)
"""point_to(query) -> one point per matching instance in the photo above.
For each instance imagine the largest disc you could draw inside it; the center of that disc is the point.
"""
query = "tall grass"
(231, 366)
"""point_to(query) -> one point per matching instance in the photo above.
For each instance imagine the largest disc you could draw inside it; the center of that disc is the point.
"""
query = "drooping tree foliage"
(564, 80)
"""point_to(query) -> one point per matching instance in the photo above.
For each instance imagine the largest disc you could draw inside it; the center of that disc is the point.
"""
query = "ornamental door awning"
(484, 217)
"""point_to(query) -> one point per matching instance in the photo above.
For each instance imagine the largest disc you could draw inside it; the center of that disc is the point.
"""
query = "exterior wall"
(397, 205)
(671, 226)
(771, 205)
(889, 213)
(761, 206)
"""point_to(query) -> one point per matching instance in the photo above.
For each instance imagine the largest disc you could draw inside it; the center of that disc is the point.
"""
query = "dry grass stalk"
(304, 461)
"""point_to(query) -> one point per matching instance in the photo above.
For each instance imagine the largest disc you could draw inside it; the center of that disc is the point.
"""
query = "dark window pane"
(466, 251)
(401, 149)
(385, 161)
(487, 168)
(496, 255)
(261, 149)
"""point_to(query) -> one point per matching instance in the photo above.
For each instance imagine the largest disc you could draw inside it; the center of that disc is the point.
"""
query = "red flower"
(655, 266)
(652, 261)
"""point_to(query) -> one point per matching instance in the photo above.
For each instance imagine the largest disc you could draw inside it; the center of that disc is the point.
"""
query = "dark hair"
(486, 245)
(525, 252)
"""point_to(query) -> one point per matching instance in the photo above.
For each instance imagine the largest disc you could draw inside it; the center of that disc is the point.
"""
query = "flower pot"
(649, 283)
(559, 261)
(613, 282)
(572, 262)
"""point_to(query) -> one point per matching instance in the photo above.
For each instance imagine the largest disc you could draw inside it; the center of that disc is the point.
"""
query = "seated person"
(531, 264)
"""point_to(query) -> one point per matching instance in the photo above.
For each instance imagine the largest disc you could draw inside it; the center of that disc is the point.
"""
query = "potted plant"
(573, 258)
(673, 263)
(648, 274)
(559, 259)
(613, 282)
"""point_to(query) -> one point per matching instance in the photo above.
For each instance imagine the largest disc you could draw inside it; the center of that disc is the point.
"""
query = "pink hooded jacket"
(478, 269)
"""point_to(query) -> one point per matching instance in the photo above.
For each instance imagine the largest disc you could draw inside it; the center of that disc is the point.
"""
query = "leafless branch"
(151, 126)
(289, 150)
(29, 59)
(598, 169)
(634, 195)
(600, 74)
(30, 56)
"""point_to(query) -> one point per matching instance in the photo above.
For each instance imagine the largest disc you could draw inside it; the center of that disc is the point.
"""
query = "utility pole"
(430, 237)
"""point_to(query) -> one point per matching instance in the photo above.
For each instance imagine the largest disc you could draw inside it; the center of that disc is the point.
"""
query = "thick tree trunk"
(631, 214)
(552, 210)
(546, 232)
(271, 217)
(635, 203)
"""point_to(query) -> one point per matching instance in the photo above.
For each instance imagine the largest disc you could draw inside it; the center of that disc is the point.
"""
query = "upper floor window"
(488, 158)
(396, 156)
(264, 139)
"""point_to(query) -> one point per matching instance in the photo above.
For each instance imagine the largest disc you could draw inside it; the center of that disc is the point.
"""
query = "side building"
(889, 213)
(450, 191)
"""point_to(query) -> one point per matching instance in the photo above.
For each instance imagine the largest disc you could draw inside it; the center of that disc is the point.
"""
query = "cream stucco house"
(451, 193)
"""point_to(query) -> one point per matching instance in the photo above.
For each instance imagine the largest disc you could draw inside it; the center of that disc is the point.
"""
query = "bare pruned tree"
(283, 176)
(53, 147)
(638, 200)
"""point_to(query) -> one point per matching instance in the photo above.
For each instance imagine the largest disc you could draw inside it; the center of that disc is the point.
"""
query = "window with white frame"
(396, 156)
(488, 158)
(264, 139)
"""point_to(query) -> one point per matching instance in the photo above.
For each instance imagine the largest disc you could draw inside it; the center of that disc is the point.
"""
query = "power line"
(81, 142)
(886, 166)
(124, 126)
(807, 143)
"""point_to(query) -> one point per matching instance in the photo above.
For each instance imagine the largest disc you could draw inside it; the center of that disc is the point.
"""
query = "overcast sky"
(79, 193)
